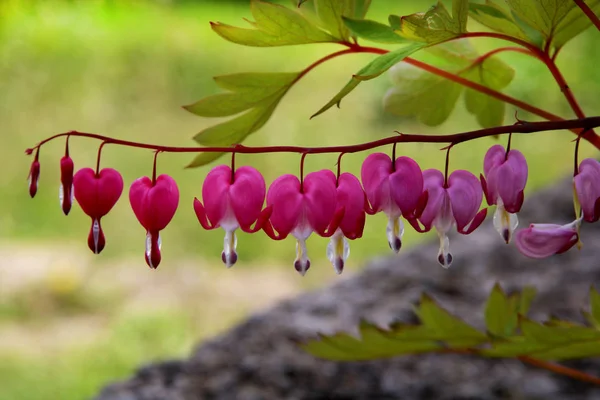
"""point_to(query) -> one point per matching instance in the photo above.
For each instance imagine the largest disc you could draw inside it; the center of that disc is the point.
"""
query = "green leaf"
(330, 12)
(259, 93)
(495, 18)
(361, 7)
(395, 22)
(500, 313)
(372, 70)
(432, 99)
(542, 15)
(460, 14)
(525, 299)
(373, 31)
(574, 23)
(276, 26)
(434, 26)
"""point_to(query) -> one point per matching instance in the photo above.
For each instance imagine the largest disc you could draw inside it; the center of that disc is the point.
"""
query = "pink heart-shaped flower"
(154, 205)
(97, 194)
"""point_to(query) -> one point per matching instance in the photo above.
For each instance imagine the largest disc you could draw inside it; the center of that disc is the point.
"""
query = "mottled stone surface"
(258, 359)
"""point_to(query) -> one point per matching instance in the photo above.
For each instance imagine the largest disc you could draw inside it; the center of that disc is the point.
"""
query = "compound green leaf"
(525, 299)
(434, 26)
(395, 22)
(265, 82)
(276, 25)
(361, 7)
(574, 23)
(500, 313)
(595, 305)
(372, 70)
(460, 14)
(202, 159)
(373, 31)
(495, 18)
(330, 13)
(437, 321)
(542, 15)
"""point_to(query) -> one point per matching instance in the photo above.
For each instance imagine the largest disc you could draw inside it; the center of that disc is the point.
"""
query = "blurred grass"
(124, 69)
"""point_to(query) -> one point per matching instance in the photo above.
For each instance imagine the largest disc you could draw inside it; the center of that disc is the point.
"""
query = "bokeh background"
(71, 321)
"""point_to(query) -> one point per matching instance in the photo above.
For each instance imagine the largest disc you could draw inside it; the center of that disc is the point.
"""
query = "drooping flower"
(34, 175)
(65, 192)
(394, 188)
(302, 208)
(351, 197)
(97, 194)
(455, 203)
(232, 201)
(544, 240)
(587, 188)
(154, 204)
(503, 183)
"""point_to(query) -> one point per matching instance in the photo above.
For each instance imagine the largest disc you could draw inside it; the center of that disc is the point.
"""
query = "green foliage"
(432, 98)
(372, 70)
(373, 31)
(509, 333)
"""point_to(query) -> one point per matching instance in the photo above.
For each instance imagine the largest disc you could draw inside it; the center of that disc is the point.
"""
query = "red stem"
(561, 369)
(588, 11)
(523, 127)
(104, 141)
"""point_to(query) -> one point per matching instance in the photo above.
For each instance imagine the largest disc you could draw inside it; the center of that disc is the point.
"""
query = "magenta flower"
(97, 194)
(503, 182)
(154, 204)
(34, 176)
(351, 197)
(396, 189)
(303, 208)
(587, 188)
(232, 201)
(544, 240)
(65, 193)
(455, 203)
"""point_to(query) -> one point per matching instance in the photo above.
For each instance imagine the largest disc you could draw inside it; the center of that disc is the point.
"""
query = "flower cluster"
(335, 206)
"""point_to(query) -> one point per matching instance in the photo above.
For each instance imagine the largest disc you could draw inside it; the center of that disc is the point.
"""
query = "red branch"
(588, 11)
(561, 369)
(521, 127)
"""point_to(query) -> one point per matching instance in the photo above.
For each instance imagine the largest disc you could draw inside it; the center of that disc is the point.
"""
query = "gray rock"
(260, 360)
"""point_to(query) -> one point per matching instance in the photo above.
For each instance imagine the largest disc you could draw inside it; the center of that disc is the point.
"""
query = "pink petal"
(511, 178)
(97, 194)
(406, 185)
(351, 197)
(433, 182)
(494, 157)
(287, 203)
(544, 240)
(465, 194)
(587, 185)
(215, 190)
(154, 205)
(375, 173)
(320, 196)
(247, 195)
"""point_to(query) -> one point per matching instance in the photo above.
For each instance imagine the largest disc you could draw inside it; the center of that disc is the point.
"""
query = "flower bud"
(65, 193)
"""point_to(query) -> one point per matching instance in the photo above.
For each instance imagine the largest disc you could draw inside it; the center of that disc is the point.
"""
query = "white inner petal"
(229, 222)
(302, 262)
(96, 234)
(394, 232)
(505, 223)
(338, 251)
(229, 248)
(444, 256)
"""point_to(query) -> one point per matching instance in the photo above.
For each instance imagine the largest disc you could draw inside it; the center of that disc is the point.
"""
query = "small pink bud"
(154, 205)
(96, 195)
(545, 240)
(34, 176)
(66, 184)
(587, 187)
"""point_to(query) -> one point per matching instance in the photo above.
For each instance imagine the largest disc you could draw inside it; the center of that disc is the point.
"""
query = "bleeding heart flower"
(351, 197)
(455, 203)
(394, 188)
(34, 175)
(154, 204)
(544, 240)
(587, 188)
(97, 194)
(232, 201)
(301, 209)
(503, 182)
(65, 192)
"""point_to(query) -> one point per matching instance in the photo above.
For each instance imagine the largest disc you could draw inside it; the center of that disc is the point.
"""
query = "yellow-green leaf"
(574, 23)
(500, 313)
(495, 18)
(542, 15)
(330, 13)
(276, 25)
(372, 70)
(202, 159)
(460, 14)
(595, 305)
(373, 31)
(434, 26)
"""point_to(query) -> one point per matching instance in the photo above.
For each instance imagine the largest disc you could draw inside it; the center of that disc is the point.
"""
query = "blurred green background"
(71, 321)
